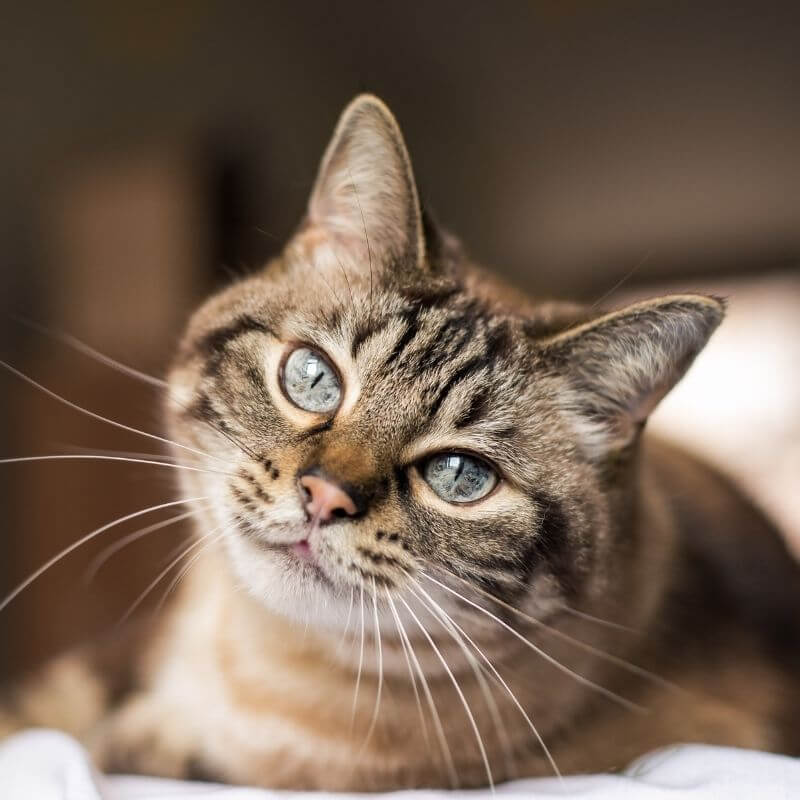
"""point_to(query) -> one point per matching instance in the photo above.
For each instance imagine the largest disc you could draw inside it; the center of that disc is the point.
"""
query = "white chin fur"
(284, 589)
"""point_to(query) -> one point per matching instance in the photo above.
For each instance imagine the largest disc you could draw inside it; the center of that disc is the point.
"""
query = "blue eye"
(310, 381)
(459, 478)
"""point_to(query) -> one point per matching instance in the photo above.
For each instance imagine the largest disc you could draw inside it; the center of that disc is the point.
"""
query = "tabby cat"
(433, 546)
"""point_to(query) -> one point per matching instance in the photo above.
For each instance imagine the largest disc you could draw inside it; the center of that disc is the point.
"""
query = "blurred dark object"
(147, 153)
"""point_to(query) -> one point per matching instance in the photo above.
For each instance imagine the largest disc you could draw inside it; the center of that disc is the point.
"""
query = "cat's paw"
(147, 737)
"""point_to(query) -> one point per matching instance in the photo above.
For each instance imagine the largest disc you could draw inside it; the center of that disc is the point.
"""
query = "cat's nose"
(325, 500)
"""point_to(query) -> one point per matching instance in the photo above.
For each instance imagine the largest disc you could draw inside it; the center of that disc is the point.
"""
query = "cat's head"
(378, 412)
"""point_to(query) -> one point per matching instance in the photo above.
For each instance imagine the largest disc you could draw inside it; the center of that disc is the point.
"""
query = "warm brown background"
(145, 152)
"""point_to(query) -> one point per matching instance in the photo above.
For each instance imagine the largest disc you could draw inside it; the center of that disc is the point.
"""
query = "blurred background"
(599, 150)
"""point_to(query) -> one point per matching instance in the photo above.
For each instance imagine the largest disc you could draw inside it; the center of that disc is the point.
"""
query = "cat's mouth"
(298, 555)
(302, 553)
(302, 550)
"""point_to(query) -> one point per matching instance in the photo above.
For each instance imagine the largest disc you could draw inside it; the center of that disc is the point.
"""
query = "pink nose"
(325, 499)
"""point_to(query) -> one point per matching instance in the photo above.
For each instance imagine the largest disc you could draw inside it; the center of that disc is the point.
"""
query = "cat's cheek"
(182, 387)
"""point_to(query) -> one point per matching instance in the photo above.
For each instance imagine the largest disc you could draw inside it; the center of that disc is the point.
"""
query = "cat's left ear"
(365, 198)
(619, 366)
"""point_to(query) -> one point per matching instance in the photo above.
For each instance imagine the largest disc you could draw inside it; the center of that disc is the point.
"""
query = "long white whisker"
(604, 622)
(159, 383)
(602, 654)
(503, 683)
(347, 623)
(193, 560)
(91, 457)
(374, 721)
(83, 540)
(97, 451)
(447, 623)
(581, 679)
(464, 702)
(401, 633)
(111, 550)
(203, 540)
(437, 722)
(87, 350)
(360, 658)
(100, 417)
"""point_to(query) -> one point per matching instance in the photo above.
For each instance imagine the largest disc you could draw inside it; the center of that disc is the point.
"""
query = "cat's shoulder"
(737, 560)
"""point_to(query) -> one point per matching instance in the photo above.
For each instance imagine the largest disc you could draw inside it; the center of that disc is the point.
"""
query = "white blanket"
(46, 765)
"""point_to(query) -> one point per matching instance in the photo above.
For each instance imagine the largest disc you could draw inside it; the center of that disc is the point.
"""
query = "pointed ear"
(365, 198)
(619, 366)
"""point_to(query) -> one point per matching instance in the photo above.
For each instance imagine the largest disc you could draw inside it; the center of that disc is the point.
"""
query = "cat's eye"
(310, 381)
(458, 477)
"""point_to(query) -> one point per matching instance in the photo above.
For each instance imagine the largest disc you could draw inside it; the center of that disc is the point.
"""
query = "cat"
(434, 547)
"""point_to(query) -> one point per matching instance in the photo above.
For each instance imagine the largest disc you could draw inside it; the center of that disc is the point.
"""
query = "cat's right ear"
(364, 205)
(619, 366)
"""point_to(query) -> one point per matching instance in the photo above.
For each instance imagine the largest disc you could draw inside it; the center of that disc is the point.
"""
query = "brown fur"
(252, 676)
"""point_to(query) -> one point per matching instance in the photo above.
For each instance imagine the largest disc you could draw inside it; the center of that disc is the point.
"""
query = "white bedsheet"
(46, 765)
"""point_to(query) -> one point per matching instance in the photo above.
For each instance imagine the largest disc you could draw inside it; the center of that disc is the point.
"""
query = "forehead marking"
(216, 340)
(411, 317)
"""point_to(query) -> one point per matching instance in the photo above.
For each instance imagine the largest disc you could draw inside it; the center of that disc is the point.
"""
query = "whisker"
(22, 376)
(477, 669)
(412, 676)
(437, 722)
(98, 451)
(113, 549)
(591, 618)
(344, 273)
(366, 238)
(189, 564)
(360, 658)
(374, 721)
(203, 540)
(347, 623)
(642, 261)
(125, 369)
(500, 680)
(602, 654)
(87, 538)
(87, 350)
(576, 676)
(463, 699)
(94, 457)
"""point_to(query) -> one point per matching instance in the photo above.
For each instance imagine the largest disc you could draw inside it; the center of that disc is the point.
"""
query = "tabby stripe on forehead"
(215, 341)
(474, 410)
(437, 352)
(412, 320)
(498, 341)
(431, 295)
(367, 331)
(464, 371)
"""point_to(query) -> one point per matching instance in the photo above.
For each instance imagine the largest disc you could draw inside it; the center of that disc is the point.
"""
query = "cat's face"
(373, 417)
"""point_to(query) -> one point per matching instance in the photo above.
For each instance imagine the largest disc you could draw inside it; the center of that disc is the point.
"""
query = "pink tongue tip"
(302, 549)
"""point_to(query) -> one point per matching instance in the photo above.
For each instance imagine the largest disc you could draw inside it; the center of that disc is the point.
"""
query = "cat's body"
(551, 518)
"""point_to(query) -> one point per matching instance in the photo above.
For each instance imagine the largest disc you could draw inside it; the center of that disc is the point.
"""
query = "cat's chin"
(290, 581)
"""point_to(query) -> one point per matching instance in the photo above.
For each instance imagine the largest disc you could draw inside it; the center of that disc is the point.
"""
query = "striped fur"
(272, 672)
